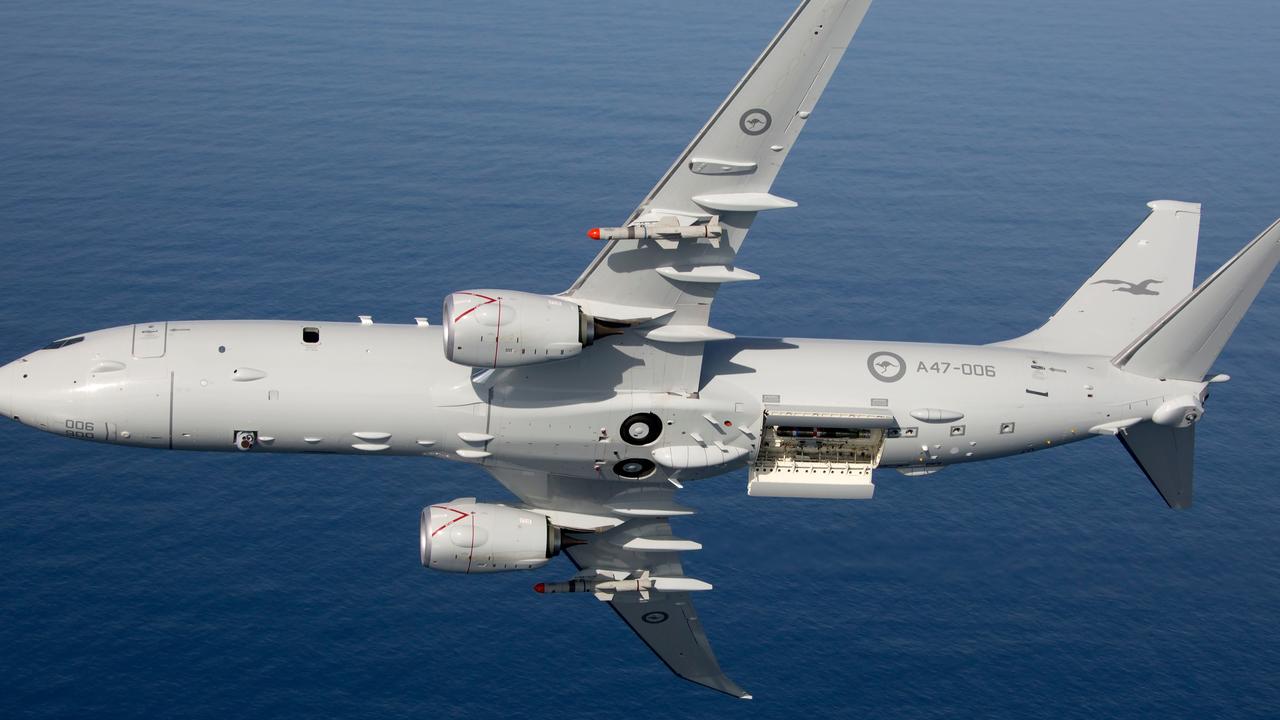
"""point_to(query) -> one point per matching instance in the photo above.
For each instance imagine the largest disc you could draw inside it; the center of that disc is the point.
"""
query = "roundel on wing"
(755, 121)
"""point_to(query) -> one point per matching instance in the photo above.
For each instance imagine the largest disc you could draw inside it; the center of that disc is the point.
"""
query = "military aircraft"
(594, 407)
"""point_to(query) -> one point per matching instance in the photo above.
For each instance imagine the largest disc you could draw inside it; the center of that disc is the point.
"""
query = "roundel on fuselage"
(886, 366)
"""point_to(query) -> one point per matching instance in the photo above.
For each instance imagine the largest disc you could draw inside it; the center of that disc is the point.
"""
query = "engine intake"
(470, 537)
(504, 328)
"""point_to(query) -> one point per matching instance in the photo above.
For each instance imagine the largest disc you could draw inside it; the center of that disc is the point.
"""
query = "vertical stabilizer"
(1147, 275)
(1185, 342)
(1167, 457)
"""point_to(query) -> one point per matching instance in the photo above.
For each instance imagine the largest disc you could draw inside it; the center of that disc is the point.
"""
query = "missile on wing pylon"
(667, 230)
(604, 584)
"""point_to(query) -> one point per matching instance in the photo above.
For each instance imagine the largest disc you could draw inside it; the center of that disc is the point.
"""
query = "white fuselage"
(385, 389)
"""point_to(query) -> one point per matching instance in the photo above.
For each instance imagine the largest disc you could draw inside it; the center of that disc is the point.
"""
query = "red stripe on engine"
(488, 300)
(461, 515)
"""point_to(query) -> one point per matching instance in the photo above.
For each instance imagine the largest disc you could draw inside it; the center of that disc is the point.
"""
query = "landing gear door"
(149, 339)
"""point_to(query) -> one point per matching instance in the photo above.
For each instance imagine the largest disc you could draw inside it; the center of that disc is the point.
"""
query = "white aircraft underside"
(595, 406)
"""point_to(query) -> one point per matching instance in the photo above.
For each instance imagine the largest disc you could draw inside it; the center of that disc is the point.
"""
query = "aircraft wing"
(624, 531)
(660, 270)
(654, 280)
(667, 621)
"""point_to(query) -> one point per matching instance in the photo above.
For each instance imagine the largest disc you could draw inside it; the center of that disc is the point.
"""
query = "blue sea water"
(970, 164)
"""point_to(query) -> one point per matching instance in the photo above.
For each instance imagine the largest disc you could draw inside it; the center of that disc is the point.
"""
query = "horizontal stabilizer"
(1167, 457)
(1184, 344)
(1146, 276)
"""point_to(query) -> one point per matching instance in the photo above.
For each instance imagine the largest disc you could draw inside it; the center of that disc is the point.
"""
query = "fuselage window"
(62, 343)
(310, 335)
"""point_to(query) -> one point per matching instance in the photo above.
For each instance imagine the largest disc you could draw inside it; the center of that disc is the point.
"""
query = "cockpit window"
(63, 343)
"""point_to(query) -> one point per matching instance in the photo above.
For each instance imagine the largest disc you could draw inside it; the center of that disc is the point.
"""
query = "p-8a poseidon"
(595, 406)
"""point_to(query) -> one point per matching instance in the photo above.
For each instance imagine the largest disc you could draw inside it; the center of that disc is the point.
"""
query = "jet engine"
(470, 537)
(503, 328)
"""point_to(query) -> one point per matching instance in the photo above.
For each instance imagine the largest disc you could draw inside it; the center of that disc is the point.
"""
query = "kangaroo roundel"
(755, 121)
(886, 366)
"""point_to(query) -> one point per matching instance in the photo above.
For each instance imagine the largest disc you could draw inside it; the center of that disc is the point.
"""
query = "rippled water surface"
(970, 164)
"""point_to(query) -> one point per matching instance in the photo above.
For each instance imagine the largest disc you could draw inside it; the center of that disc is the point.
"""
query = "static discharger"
(658, 231)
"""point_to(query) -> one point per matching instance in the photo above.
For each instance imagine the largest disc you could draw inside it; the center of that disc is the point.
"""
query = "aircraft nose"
(9, 375)
(17, 394)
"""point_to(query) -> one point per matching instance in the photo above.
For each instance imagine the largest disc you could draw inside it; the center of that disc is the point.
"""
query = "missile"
(656, 231)
(572, 586)
(605, 585)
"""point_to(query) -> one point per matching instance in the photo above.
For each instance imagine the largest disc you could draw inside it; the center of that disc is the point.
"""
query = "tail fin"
(1135, 286)
(1167, 457)
(1185, 342)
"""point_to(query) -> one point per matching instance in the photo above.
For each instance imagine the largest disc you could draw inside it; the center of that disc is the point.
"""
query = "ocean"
(970, 164)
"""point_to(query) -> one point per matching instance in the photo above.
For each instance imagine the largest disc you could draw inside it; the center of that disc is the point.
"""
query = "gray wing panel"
(739, 151)
(678, 639)
(725, 172)
(667, 622)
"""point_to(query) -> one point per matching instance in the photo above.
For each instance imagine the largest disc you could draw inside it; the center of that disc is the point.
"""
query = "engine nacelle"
(504, 328)
(470, 537)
